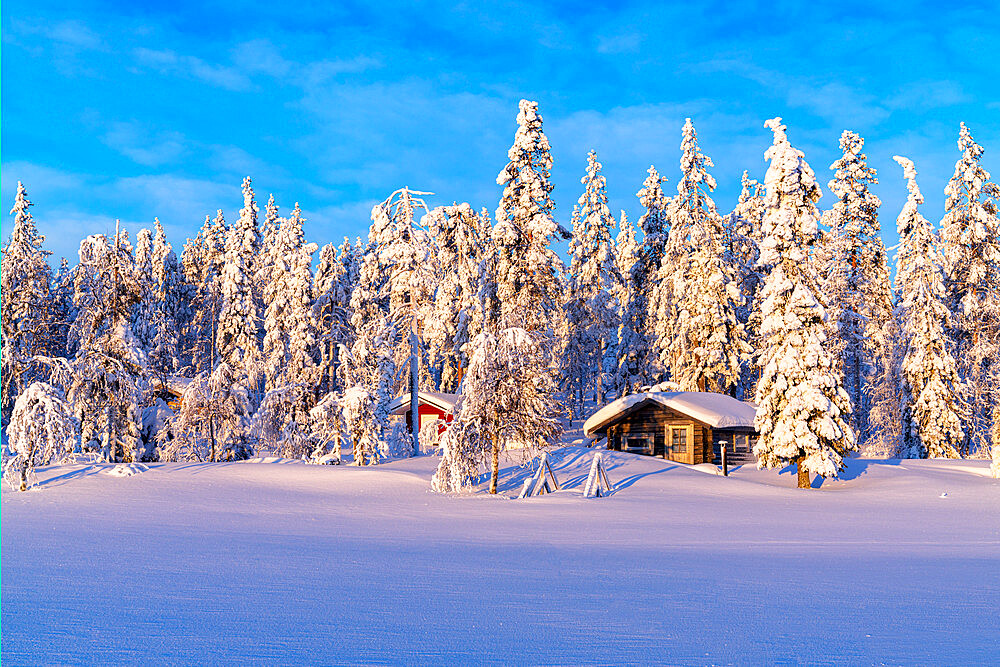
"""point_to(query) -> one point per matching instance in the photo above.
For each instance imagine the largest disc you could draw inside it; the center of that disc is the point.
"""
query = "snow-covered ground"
(280, 562)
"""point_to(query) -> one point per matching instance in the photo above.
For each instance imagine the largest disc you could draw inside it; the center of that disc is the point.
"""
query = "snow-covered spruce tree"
(593, 281)
(268, 245)
(144, 314)
(508, 402)
(331, 312)
(238, 331)
(25, 303)
(932, 412)
(288, 298)
(203, 261)
(628, 253)
(697, 330)
(457, 316)
(396, 280)
(173, 306)
(42, 429)
(859, 290)
(369, 379)
(109, 368)
(743, 228)
(62, 312)
(637, 358)
(803, 410)
(289, 342)
(970, 232)
(527, 268)
(214, 421)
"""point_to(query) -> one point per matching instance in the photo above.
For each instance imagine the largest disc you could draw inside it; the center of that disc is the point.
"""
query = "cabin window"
(679, 440)
(638, 444)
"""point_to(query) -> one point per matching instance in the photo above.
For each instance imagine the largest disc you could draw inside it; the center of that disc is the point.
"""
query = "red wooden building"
(431, 406)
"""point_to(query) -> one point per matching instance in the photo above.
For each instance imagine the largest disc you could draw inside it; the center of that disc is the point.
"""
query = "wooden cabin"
(171, 389)
(431, 406)
(683, 426)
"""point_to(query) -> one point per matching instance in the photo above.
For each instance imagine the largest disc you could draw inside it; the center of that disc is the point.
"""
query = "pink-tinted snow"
(279, 562)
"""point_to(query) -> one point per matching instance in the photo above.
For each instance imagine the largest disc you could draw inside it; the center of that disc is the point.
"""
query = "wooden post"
(604, 475)
(552, 475)
(725, 463)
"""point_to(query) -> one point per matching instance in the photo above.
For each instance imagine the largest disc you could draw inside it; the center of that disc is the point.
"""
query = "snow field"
(272, 561)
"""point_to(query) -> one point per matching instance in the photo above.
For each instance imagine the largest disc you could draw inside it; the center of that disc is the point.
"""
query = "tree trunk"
(359, 454)
(803, 473)
(414, 385)
(495, 473)
(24, 472)
(211, 435)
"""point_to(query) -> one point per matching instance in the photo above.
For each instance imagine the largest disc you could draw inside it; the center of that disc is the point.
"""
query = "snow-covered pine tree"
(237, 335)
(283, 300)
(213, 422)
(42, 430)
(508, 402)
(268, 241)
(803, 410)
(144, 315)
(457, 315)
(25, 303)
(396, 280)
(109, 368)
(289, 341)
(331, 312)
(527, 269)
(697, 330)
(932, 410)
(970, 232)
(637, 355)
(369, 383)
(203, 259)
(743, 228)
(62, 310)
(593, 281)
(858, 289)
(628, 253)
(171, 306)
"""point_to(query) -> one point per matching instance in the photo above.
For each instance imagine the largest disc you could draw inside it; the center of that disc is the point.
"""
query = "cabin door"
(680, 445)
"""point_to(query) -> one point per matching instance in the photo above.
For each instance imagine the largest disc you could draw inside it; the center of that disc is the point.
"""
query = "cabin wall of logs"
(656, 430)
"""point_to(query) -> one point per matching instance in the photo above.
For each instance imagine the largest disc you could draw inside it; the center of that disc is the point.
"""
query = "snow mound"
(127, 469)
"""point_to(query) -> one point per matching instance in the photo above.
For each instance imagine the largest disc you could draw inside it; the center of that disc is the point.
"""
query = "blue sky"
(137, 110)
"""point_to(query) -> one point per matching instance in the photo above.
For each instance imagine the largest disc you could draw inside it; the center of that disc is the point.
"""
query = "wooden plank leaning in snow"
(538, 484)
(597, 481)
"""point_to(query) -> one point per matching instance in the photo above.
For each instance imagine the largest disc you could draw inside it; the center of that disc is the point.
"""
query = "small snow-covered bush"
(42, 430)
(327, 428)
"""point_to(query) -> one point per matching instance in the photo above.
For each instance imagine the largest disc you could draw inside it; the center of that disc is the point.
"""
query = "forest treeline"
(278, 345)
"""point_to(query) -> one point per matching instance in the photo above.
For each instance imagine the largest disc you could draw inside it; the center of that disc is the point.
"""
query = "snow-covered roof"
(437, 399)
(175, 384)
(716, 410)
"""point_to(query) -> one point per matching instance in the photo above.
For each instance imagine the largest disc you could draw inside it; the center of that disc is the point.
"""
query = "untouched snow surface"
(281, 562)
